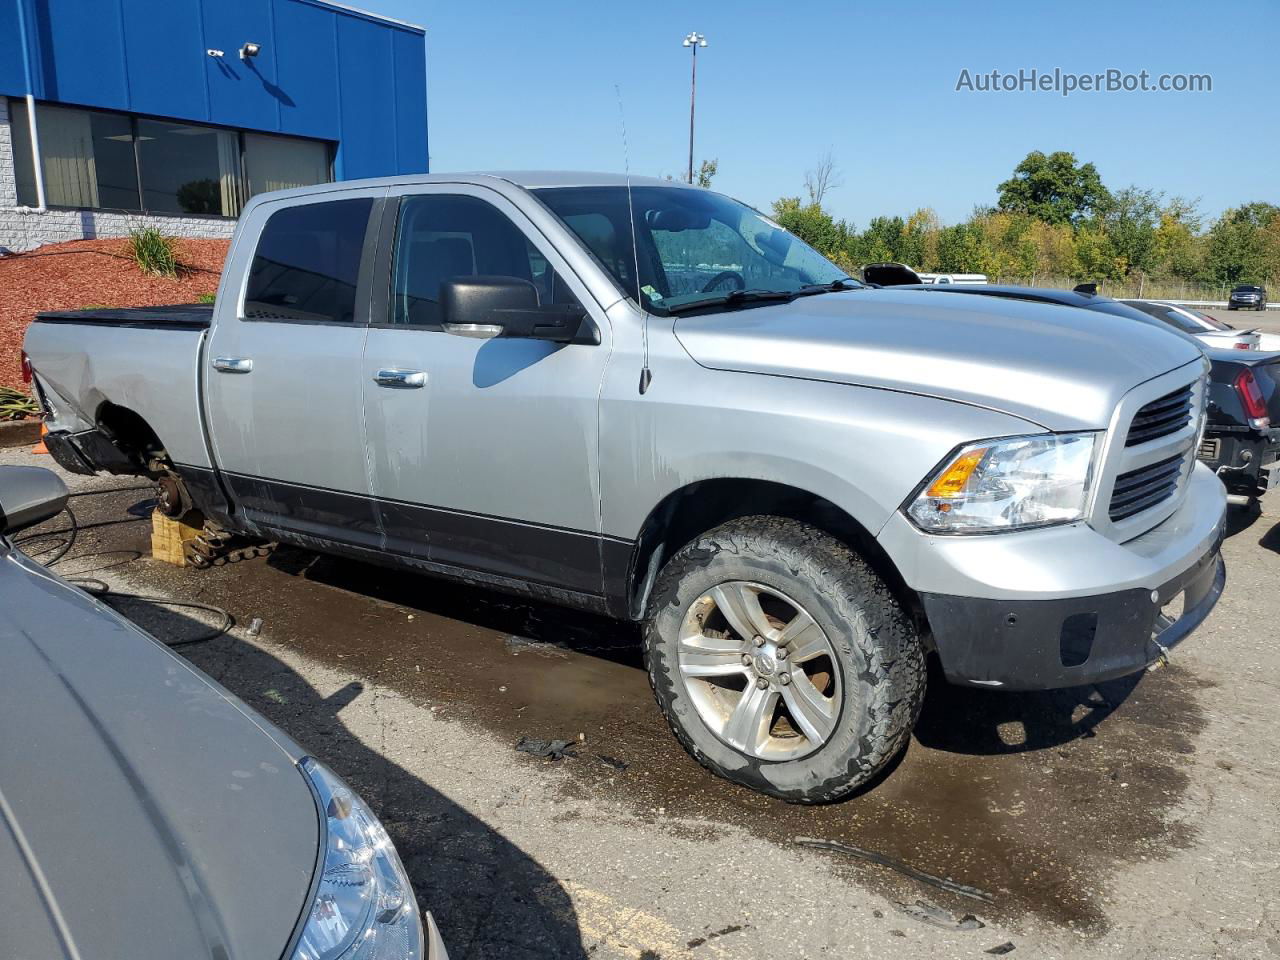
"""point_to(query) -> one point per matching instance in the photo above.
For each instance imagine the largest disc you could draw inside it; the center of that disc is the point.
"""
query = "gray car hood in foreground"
(1056, 366)
(144, 813)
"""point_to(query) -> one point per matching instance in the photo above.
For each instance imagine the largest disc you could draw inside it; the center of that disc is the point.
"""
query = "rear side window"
(1170, 316)
(440, 237)
(307, 263)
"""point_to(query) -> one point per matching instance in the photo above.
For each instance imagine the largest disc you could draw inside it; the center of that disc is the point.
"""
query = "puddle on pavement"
(1034, 798)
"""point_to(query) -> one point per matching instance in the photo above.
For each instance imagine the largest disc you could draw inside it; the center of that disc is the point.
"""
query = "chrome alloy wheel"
(760, 671)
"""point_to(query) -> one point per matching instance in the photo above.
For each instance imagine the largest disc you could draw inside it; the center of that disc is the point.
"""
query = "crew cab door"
(282, 370)
(483, 452)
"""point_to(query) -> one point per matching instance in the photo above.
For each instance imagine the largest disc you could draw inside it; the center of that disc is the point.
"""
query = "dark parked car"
(1239, 442)
(1246, 296)
(1242, 438)
(147, 813)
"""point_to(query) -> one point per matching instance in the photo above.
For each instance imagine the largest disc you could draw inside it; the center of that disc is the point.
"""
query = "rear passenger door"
(486, 459)
(282, 373)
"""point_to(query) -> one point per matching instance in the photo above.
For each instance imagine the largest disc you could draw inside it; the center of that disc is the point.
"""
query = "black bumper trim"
(1017, 644)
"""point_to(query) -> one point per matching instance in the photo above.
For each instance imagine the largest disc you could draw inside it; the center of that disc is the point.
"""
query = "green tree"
(918, 245)
(1131, 221)
(1236, 249)
(1178, 252)
(706, 173)
(1096, 255)
(816, 227)
(1054, 188)
(882, 240)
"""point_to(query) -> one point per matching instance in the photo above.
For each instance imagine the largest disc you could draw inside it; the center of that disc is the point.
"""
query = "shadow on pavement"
(1241, 517)
(999, 722)
(489, 898)
(1271, 539)
(526, 618)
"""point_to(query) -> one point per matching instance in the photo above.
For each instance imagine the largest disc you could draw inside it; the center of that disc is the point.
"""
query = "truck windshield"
(691, 246)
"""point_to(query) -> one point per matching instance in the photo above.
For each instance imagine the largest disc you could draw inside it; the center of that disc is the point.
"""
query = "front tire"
(782, 661)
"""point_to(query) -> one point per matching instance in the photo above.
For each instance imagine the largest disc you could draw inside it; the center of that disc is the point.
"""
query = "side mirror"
(29, 495)
(486, 307)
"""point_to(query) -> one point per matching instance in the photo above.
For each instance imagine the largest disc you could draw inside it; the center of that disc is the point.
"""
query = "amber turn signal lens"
(952, 481)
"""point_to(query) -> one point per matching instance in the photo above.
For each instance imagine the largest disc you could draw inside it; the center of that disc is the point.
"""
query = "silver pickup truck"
(649, 400)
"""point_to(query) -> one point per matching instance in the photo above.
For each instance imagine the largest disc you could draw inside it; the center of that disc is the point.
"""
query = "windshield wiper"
(732, 298)
(835, 286)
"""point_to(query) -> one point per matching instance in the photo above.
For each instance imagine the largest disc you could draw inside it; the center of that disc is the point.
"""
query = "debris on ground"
(937, 917)
(547, 749)
(724, 931)
(255, 626)
(608, 761)
(1001, 950)
(518, 644)
(964, 890)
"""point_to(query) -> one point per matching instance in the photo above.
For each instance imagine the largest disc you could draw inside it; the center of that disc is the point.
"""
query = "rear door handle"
(395, 377)
(233, 364)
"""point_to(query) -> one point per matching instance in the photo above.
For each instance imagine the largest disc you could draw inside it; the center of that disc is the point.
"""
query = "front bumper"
(1047, 644)
(1063, 606)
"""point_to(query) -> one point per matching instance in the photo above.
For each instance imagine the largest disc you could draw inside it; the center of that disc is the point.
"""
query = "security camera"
(250, 50)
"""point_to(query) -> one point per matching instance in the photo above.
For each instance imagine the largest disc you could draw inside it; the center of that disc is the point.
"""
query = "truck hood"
(144, 813)
(1059, 367)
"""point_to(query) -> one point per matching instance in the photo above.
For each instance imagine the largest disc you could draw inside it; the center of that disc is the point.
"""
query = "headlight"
(364, 907)
(1008, 484)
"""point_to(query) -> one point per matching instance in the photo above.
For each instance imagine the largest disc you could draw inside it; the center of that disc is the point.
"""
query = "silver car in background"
(1211, 331)
(147, 813)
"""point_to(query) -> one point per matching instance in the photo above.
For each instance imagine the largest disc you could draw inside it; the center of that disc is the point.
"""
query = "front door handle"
(233, 364)
(395, 377)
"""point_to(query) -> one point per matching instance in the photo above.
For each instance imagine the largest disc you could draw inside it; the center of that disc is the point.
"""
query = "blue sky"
(531, 85)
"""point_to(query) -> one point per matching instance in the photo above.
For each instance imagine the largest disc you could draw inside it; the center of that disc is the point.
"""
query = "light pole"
(693, 41)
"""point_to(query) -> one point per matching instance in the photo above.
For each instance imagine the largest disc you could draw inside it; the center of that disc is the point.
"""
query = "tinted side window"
(440, 237)
(307, 262)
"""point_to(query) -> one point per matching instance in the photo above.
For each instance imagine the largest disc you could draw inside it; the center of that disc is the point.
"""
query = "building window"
(188, 169)
(100, 160)
(88, 158)
(279, 163)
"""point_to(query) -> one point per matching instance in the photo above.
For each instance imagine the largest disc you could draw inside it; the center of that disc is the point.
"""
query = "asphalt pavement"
(1135, 819)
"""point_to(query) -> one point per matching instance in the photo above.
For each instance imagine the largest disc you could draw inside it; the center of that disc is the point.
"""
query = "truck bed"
(185, 316)
(142, 359)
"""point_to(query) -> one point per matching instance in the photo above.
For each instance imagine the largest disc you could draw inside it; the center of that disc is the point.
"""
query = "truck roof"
(528, 179)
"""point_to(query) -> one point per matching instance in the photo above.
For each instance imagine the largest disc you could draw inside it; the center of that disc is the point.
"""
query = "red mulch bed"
(92, 273)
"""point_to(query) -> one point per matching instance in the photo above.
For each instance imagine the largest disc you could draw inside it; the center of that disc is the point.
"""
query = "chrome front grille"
(1161, 417)
(1149, 453)
(1142, 489)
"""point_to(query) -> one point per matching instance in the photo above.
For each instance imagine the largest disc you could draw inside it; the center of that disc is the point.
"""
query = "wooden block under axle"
(169, 537)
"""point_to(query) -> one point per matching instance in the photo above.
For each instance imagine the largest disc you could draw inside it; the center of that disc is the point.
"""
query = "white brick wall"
(22, 228)
(8, 182)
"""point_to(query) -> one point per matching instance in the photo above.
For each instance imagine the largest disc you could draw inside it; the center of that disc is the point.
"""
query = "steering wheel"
(725, 280)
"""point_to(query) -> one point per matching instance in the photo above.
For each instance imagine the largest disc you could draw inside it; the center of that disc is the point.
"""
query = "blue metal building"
(185, 108)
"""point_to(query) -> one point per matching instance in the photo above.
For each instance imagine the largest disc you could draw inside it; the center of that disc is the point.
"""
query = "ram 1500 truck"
(649, 400)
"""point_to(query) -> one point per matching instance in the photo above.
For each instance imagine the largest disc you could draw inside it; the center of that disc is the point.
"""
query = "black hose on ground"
(101, 590)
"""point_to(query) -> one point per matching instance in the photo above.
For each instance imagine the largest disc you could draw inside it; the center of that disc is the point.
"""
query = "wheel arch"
(129, 431)
(702, 505)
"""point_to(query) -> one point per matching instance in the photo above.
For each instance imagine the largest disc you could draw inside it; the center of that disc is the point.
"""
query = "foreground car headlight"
(364, 908)
(1008, 484)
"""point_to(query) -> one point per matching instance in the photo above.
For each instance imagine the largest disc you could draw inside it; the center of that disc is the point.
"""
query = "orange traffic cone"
(40, 447)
